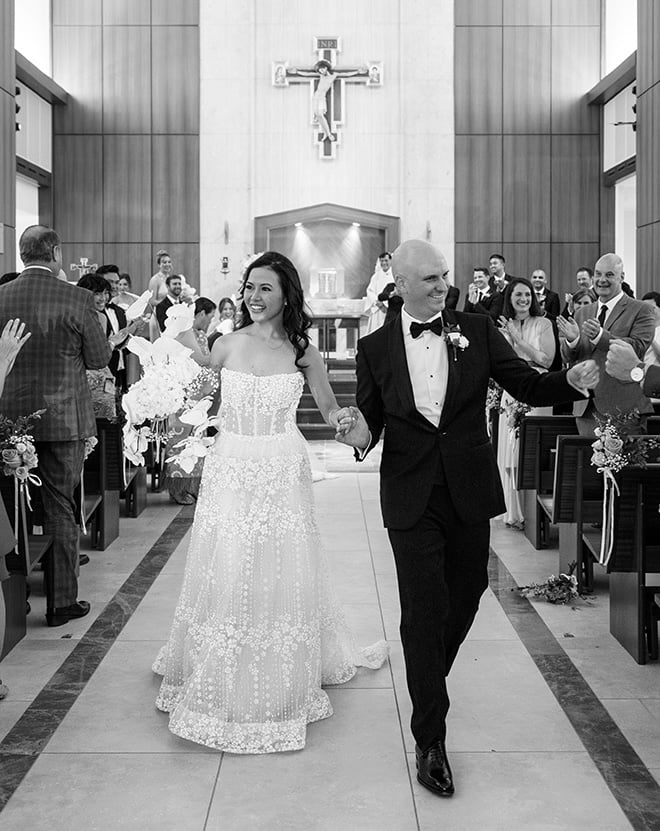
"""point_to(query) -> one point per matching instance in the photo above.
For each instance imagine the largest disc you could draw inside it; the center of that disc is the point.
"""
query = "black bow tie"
(436, 326)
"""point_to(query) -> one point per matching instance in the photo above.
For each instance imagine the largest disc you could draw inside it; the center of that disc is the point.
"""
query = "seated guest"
(532, 337)
(589, 334)
(482, 297)
(548, 299)
(174, 285)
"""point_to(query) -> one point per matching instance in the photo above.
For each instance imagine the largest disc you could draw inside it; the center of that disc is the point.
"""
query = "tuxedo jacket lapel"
(400, 369)
(453, 374)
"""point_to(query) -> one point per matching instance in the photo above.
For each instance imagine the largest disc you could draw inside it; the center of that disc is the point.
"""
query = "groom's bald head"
(420, 271)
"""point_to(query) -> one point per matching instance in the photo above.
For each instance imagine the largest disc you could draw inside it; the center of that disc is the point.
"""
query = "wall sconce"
(225, 265)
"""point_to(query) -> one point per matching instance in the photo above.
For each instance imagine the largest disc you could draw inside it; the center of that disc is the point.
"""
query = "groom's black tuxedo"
(439, 486)
(415, 452)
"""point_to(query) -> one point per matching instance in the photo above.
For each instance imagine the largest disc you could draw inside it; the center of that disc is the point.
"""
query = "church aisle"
(104, 758)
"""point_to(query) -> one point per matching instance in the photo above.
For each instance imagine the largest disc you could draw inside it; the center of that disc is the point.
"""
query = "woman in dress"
(532, 338)
(257, 630)
(125, 297)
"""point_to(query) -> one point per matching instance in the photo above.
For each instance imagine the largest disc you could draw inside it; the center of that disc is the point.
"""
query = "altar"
(335, 319)
(335, 326)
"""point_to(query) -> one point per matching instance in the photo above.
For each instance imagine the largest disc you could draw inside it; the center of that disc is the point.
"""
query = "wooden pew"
(636, 554)
(31, 549)
(538, 436)
(101, 503)
(575, 503)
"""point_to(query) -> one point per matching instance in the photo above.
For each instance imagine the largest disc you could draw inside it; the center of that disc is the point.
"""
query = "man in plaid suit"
(49, 373)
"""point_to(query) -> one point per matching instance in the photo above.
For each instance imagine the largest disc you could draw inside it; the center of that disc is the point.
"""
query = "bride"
(257, 629)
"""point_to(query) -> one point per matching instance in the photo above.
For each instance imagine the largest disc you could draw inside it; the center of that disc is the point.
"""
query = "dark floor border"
(633, 786)
(21, 747)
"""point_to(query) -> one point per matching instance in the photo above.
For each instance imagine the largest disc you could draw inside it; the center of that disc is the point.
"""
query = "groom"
(424, 378)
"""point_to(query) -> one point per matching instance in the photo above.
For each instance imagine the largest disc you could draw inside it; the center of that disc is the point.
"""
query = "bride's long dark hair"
(294, 317)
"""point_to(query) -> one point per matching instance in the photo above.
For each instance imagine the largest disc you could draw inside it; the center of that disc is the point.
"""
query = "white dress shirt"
(428, 367)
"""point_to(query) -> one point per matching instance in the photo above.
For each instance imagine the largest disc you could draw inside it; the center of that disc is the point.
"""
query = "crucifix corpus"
(83, 267)
(327, 89)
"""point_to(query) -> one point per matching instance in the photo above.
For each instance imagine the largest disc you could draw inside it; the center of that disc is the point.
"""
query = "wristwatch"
(637, 373)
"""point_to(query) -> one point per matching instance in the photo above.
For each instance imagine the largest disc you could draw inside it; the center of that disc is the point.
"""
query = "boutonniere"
(456, 339)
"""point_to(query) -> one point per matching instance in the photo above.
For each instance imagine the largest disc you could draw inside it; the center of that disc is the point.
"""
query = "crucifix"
(83, 267)
(327, 89)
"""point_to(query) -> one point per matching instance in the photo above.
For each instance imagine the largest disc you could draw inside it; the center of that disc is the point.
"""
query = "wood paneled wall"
(528, 161)
(126, 148)
(648, 146)
(8, 133)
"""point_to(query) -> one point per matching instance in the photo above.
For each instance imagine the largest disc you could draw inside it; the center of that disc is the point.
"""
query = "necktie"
(601, 315)
(436, 326)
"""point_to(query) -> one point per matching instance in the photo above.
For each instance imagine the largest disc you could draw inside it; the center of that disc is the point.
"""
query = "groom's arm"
(366, 433)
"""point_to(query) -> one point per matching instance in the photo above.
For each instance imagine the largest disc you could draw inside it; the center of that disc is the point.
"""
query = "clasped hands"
(351, 427)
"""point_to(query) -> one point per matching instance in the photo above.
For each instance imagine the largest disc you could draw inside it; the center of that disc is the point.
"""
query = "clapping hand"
(11, 342)
(473, 294)
(591, 328)
(584, 376)
(568, 329)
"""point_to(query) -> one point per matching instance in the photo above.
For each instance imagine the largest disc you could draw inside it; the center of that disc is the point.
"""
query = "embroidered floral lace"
(257, 629)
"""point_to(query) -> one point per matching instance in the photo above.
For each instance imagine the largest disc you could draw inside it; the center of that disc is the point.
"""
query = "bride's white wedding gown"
(257, 629)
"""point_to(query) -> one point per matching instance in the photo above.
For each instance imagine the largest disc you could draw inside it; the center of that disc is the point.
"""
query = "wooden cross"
(83, 267)
(327, 90)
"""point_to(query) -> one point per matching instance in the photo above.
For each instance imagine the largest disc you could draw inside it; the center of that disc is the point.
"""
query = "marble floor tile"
(169, 792)
(351, 775)
(10, 711)
(639, 726)
(152, 619)
(506, 791)
(116, 712)
(499, 702)
(30, 665)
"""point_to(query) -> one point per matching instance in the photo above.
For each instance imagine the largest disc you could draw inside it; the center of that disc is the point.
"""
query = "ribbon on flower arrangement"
(610, 492)
(23, 503)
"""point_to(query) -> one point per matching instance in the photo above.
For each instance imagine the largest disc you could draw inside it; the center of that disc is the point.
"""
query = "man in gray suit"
(615, 316)
(49, 373)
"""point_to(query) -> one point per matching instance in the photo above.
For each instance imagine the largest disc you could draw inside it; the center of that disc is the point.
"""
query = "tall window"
(625, 226)
(620, 32)
(32, 33)
(27, 209)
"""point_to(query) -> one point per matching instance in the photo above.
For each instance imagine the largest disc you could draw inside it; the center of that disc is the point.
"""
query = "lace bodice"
(259, 405)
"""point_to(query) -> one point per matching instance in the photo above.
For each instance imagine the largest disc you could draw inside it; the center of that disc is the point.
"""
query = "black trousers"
(442, 571)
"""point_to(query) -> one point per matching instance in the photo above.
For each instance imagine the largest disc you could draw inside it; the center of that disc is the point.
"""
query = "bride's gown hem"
(257, 629)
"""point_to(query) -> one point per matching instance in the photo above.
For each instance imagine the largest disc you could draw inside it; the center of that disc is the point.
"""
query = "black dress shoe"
(62, 615)
(83, 559)
(433, 771)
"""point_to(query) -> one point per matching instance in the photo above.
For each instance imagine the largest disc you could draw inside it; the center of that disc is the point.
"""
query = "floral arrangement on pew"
(172, 384)
(515, 412)
(19, 457)
(615, 448)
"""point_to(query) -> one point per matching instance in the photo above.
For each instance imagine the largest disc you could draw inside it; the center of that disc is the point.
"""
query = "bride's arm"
(319, 385)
